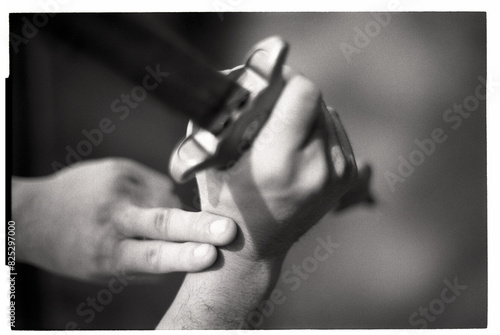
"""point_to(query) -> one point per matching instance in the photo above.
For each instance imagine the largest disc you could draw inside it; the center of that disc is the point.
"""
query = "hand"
(297, 168)
(98, 218)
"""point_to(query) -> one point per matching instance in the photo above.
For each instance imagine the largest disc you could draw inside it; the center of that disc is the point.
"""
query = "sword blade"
(133, 42)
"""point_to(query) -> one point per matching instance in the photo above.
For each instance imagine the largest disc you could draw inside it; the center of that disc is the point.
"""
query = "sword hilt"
(244, 114)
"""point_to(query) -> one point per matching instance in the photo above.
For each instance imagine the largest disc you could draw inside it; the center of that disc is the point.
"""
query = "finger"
(288, 73)
(176, 225)
(144, 186)
(295, 112)
(162, 257)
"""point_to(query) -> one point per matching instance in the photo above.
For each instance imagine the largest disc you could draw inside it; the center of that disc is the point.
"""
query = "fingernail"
(261, 62)
(218, 227)
(201, 251)
(260, 55)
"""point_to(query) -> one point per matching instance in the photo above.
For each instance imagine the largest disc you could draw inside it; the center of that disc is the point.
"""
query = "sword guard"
(243, 115)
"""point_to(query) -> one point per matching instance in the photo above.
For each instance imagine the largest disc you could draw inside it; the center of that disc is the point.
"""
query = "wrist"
(257, 247)
(239, 264)
(222, 296)
(243, 281)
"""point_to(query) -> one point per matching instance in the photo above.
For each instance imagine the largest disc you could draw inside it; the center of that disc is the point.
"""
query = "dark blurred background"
(392, 258)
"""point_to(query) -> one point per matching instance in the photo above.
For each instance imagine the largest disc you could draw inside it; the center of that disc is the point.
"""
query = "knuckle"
(200, 225)
(154, 258)
(307, 89)
(122, 215)
(310, 180)
(119, 164)
(318, 178)
(112, 215)
(162, 223)
(120, 263)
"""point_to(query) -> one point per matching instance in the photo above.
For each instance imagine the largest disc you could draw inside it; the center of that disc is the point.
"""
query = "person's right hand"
(299, 165)
(297, 168)
(101, 218)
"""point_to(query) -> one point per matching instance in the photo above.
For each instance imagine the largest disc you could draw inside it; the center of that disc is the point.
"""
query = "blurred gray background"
(391, 258)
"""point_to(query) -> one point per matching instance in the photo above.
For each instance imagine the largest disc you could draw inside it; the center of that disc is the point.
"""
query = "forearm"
(222, 296)
(20, 190)
(22, 198)
(28, 211)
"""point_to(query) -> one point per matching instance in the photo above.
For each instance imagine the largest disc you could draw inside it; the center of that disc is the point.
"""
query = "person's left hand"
(106, 217)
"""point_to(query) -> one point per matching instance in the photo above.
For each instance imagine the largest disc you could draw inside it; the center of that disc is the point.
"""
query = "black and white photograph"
(239, 169)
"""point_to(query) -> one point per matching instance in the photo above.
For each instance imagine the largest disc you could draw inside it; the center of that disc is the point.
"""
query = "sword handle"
(244, 114)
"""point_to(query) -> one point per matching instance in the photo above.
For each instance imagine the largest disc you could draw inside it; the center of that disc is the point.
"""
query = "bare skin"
(280, 188)
(100, 218)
